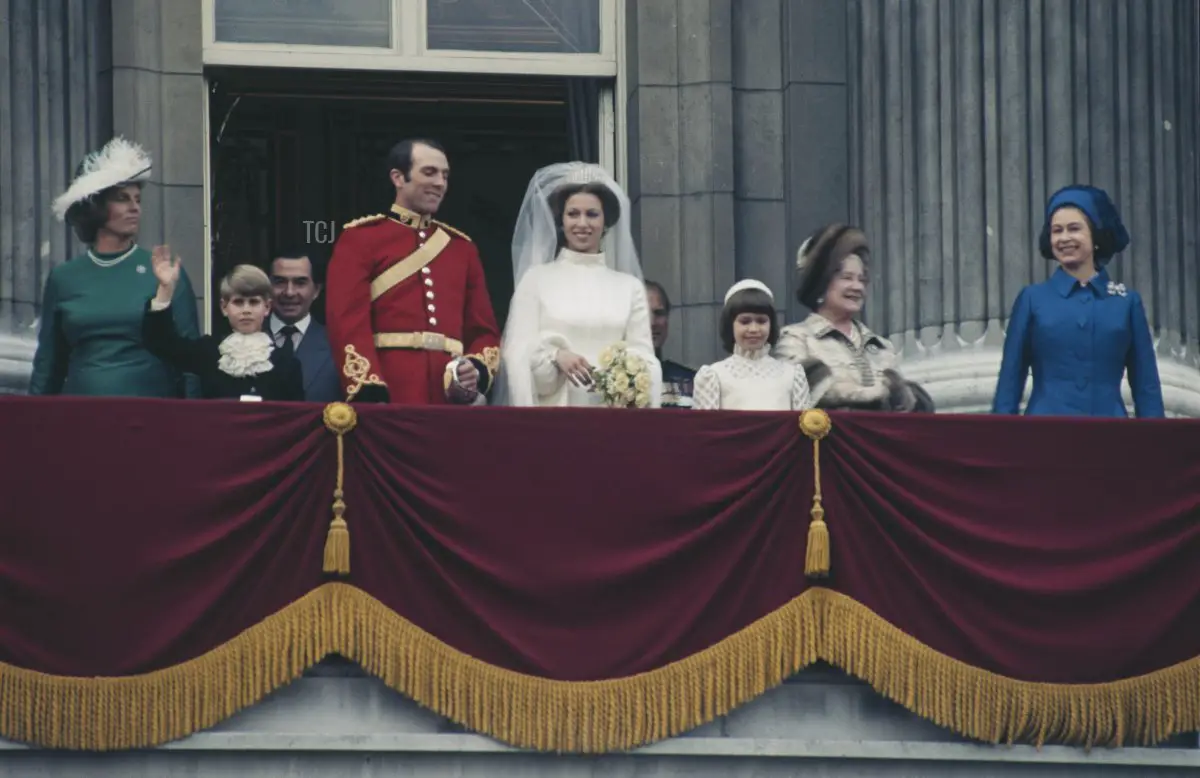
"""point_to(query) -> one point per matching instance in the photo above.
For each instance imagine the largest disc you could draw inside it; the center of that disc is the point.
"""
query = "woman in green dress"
(90, 340)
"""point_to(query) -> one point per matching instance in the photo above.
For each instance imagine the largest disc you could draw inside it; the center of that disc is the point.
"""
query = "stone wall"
(965, 116)
(681, 157)
(158, 94)
(55, 107)
(940, 126)
(69, 90)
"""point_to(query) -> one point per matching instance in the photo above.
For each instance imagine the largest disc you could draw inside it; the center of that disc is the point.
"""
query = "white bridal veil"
(535, 243)
(535, 238)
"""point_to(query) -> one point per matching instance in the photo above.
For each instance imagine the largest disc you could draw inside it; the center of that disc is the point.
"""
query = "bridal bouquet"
(622, 378)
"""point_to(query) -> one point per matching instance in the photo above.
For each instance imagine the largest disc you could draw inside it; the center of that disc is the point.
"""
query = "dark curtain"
(583, 118)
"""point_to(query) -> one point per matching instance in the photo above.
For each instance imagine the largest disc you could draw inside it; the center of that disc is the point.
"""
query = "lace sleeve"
(801, 397)
(547, 378)
(706, 390)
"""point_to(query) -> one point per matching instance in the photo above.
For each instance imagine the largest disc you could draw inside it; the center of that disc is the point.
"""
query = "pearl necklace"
(114, 260)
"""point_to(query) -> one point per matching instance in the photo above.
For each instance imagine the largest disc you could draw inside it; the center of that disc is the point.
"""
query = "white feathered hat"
(119, 162)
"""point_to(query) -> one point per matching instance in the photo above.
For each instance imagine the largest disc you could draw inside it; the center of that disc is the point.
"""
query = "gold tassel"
(337, 547)
(815, 424)
(340, 418)
(816, 558)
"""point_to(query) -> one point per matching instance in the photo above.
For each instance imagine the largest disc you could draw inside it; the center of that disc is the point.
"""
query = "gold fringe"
(816, 424)
(339, 418)
(142, 711)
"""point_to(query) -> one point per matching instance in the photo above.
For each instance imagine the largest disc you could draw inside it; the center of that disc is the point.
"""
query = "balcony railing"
(592, 580)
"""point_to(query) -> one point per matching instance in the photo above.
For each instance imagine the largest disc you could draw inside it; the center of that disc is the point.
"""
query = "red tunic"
(430, 305)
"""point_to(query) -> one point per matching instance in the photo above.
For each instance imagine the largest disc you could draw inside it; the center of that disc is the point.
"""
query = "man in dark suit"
(297, 278)
(677, 378)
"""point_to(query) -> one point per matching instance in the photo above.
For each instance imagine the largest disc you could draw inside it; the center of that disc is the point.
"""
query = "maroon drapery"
(573, 546)
(595, 544)
(135, 535)
(1055, 550)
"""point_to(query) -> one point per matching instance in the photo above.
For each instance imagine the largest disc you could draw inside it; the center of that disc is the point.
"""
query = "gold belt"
(427, 341)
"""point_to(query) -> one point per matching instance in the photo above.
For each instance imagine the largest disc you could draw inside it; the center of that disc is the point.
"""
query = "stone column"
(966, 115)
(158, 98)
(817, 125)
(55, 106)
(761, 173)
(681, 160)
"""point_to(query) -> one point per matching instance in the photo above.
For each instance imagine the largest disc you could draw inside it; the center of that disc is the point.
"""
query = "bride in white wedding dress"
(578, 291)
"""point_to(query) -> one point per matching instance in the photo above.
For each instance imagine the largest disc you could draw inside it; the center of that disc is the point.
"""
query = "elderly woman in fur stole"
(848, 366)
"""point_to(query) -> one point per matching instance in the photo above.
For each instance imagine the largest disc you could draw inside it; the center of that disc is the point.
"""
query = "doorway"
(296, 154)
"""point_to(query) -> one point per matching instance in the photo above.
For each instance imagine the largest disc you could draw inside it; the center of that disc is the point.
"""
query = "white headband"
(748, 283)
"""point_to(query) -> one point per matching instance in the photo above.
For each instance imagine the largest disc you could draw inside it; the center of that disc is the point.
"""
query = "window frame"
(409, 50)
(409, 38)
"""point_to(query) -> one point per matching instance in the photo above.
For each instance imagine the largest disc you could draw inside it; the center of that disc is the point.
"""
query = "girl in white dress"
(578, 291)
(751, 379)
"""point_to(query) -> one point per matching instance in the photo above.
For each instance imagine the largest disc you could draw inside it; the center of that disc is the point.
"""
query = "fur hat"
(120, 162)
(820, 255)
(1109, 235)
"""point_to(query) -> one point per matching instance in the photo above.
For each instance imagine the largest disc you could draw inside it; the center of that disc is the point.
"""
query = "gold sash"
(403, 269)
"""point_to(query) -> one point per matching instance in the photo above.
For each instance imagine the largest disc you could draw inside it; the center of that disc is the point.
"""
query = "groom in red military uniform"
(408, 313)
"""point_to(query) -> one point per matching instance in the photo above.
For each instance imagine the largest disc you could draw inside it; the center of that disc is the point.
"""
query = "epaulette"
(448, 228)
(360, 221)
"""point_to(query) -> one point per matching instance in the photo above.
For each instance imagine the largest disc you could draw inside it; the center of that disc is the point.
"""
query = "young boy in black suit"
(245, 364)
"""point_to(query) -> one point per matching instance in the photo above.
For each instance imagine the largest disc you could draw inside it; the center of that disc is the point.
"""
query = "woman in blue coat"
(1078, 331)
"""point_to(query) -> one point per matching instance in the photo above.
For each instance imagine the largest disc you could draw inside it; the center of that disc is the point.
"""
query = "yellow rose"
(620, 382)
(642, 400)
(606, 358)
(642, 382)
(634, 364)
(629, 396)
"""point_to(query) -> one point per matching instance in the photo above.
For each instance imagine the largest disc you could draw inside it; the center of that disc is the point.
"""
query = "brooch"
(1114, 288)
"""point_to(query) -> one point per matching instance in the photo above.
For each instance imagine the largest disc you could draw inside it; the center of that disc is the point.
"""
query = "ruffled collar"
(577, 258)
(751, 354)
(246, 355)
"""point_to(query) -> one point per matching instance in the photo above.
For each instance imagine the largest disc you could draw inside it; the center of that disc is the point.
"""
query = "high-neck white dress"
(580, 304)
(751, 381)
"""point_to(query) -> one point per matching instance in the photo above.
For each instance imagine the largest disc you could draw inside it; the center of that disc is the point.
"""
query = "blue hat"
(1109, 234)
